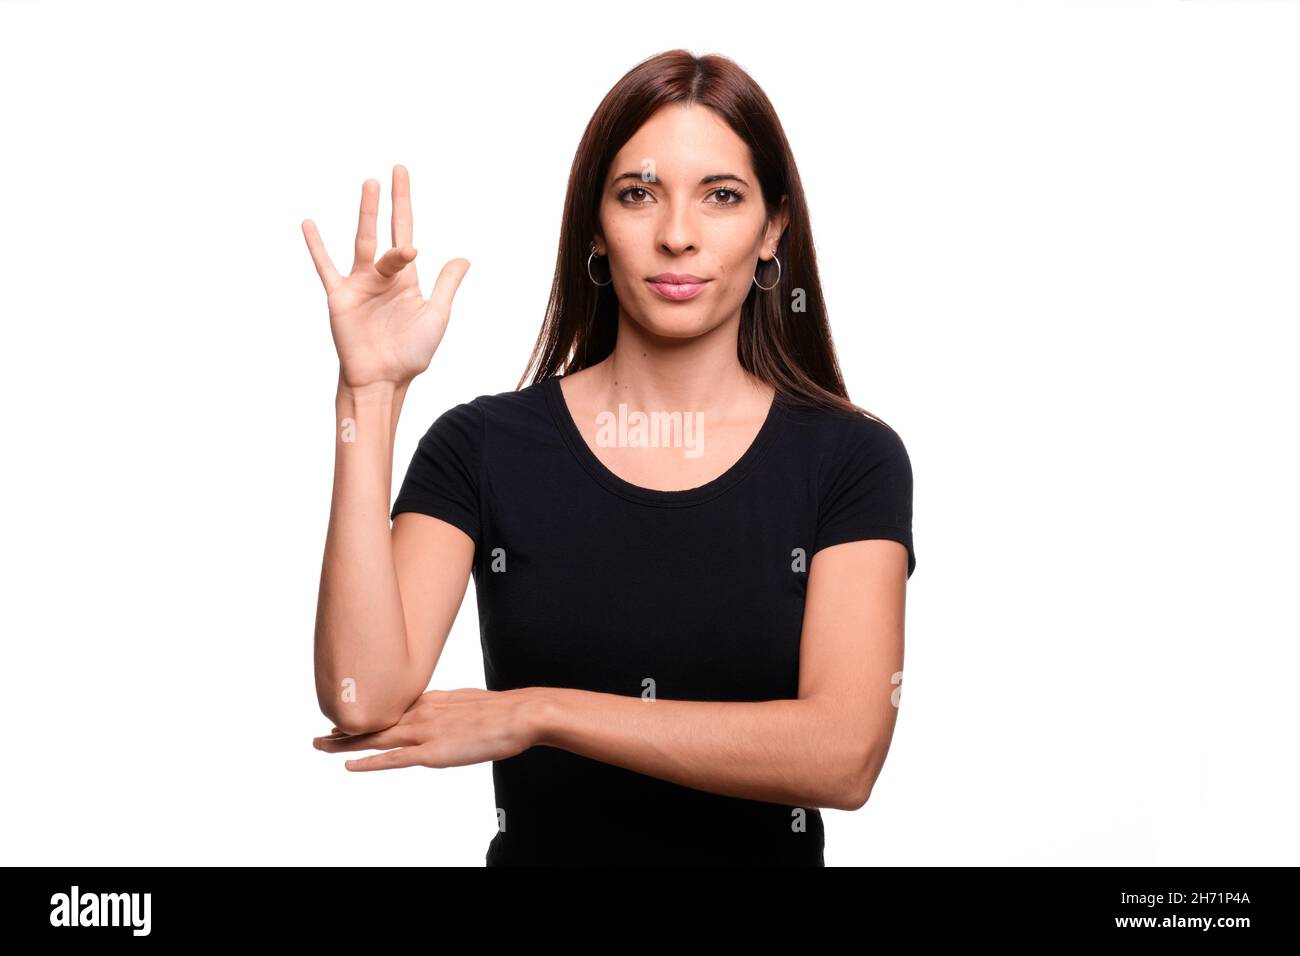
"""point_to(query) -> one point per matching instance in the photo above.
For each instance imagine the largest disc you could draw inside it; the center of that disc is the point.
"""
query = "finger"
(394, 261)
(336, 743)
(366, 219)
(448, 281)
(402, 219)
(396, 736)
(402, 757)
(324, 267)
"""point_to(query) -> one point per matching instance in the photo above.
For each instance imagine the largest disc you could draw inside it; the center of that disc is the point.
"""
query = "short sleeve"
(866, 490)
(442, 479)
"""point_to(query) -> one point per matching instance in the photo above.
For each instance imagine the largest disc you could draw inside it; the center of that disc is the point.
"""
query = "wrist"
(372, 392)
(539, 714)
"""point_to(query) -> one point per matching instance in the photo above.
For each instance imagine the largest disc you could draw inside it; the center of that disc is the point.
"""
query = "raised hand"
(384, 330)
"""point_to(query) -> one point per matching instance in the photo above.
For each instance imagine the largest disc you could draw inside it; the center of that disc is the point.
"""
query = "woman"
(690, 550)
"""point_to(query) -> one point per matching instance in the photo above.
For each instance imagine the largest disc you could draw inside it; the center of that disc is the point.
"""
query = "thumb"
(448, 281)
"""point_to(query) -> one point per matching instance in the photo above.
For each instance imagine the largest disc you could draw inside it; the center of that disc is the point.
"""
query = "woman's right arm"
(388, 596)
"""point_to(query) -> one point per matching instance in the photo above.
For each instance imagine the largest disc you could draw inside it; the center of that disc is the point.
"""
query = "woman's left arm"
(823, 749)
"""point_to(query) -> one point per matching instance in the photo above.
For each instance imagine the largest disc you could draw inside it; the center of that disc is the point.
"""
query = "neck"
(700, 373)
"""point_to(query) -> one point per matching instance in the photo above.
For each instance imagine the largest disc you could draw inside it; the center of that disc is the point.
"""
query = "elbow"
(851, 794)
(353, 716)
(857, 795)
(857, 781)
(353, 720)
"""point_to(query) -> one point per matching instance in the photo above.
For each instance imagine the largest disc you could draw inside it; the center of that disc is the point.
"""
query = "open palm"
(384, 330)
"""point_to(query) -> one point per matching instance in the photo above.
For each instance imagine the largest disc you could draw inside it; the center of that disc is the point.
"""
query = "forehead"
(685, 143)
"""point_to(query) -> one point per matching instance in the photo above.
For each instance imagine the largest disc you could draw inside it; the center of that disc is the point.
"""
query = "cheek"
(732, 278)
(625, 242)
(737, 255)
(736, 274)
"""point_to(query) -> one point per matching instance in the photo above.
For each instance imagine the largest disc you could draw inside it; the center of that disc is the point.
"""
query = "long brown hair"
(791, 351)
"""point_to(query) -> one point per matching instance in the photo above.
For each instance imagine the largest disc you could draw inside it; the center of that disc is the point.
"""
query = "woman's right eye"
(632, 189)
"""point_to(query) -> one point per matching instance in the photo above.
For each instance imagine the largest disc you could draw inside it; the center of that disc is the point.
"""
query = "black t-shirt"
(587, 581)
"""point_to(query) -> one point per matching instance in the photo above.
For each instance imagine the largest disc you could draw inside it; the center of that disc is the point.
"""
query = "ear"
(776, 224)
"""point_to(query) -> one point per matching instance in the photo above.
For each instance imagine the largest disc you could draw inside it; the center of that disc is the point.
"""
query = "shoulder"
(513, 411)
(493, 419)
(489, 405)
(863, 479)
(514, 399)
(837, 439)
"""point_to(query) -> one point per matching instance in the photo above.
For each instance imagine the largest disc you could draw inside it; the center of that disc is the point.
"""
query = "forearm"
(399, 396)
(361, 660)
(792, 752)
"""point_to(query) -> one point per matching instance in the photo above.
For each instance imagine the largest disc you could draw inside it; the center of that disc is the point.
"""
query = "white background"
(1059, 244)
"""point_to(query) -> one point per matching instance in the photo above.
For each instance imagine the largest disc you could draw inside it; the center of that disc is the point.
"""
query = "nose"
(677, 229)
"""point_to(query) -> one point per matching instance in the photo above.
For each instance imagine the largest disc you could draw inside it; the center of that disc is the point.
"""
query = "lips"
(677, 278)
(676, 285)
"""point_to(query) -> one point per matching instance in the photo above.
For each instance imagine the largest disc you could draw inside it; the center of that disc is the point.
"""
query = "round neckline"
(572, 435)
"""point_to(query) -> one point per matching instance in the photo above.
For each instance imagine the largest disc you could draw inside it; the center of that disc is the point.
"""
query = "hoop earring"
(769, 288)
(592, 277)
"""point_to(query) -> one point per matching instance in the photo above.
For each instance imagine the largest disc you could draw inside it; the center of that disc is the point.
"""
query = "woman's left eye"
(733, 192)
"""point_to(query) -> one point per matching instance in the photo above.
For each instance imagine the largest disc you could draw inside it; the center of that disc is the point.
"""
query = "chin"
(677, 324)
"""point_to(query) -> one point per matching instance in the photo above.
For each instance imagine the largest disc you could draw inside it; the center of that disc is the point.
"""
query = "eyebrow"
(713, 178)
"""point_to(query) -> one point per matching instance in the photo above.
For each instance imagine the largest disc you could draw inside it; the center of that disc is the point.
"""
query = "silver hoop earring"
(592, 277)
(769, 288)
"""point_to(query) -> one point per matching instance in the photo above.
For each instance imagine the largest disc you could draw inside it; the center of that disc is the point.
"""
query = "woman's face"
(681, 197)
